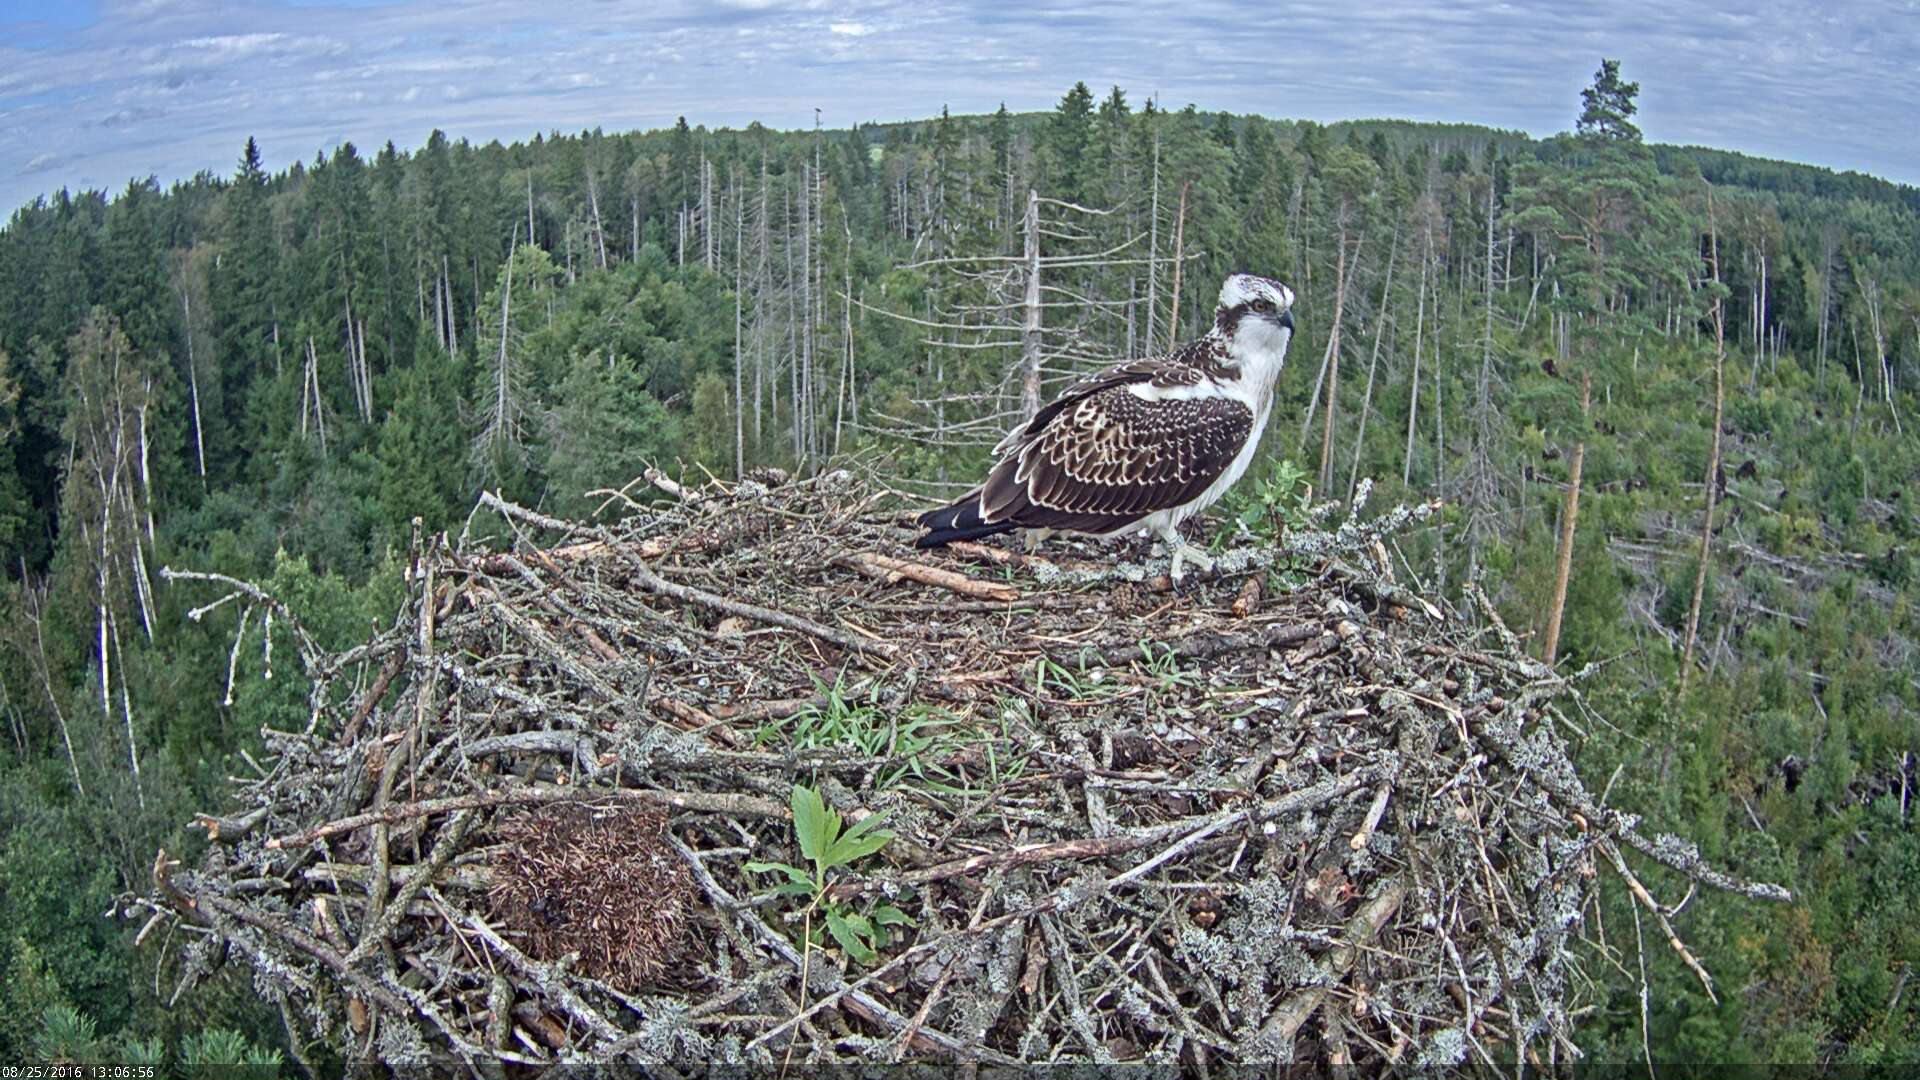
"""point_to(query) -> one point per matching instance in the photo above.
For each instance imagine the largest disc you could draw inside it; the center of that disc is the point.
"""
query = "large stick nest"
(1288, 811)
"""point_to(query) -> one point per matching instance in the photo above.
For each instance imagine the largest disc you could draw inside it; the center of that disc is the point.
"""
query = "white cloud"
(234, 44)
(1757, 75)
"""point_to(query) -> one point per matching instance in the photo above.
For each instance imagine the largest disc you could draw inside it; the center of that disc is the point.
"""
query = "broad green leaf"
(843, 933)
(813, 824)
(850, 849)
(888, 915)
(794, 873)
(862, 840)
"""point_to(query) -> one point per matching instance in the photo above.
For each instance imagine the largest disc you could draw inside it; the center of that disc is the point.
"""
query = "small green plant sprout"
(1163, 664)
(828, 846)
(1281, 501)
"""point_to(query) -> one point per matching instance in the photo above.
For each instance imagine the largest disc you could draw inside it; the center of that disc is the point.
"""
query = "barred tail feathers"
(960, 521)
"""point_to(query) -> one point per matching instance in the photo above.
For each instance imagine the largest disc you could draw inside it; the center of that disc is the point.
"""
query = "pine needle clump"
(744, 777)
(599, 884)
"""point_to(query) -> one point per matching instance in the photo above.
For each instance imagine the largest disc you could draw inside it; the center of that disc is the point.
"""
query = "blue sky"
(94, 93)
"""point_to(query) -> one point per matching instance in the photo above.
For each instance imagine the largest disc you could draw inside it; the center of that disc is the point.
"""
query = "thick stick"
(698, 801)
(654, 583)
(891, 570)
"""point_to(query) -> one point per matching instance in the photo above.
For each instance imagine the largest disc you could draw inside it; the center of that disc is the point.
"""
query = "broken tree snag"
(561, 831)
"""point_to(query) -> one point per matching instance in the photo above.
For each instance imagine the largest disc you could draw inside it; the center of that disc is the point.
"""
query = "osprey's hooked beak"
(1286, 320)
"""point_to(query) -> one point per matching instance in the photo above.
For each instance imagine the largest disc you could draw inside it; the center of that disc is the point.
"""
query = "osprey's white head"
(1241, 289)
(1256, 317)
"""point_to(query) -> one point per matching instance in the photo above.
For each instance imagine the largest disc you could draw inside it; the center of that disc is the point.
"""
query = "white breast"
(1259, 369)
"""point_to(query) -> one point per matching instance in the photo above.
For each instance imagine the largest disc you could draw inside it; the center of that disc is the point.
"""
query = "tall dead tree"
(739, 287)
(183, 281)
(1419, 329)
(1569, 519)
(313, 406)
(109, 391)
(1031, 347)
(1373, 360)
(501, 427)
(1013, 325)
(1179, 258)
(1713, 455)
(1332, 361)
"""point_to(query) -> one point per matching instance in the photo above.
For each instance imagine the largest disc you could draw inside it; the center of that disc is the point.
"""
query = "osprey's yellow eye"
(1262, 306)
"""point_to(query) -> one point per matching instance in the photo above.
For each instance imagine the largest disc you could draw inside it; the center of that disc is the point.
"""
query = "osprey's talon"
(1185, 553)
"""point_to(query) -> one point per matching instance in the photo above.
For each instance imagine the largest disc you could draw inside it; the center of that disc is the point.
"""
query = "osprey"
(1144, 445)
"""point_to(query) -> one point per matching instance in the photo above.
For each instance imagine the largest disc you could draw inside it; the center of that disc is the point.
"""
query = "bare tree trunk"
(1569, 518)
(706, 208)
(503, 423)
(1713, 456)
(599, 231)
(1413, 394)
(762, 285)
(453, 321)
(1373, 361)
(35, 608)
(808, 394)
(846, 314)
(1333, 358)
(1179, 261)
(1883, 374)
(1439, 410)
(739, 381)
(193, 386)
(1030, 331)
(366, 378)
(1153, 248)
(126, 716)
(793, 332)
(1826, 305)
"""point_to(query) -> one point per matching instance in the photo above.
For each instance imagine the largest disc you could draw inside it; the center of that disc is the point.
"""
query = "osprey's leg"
(1031, 539)
(1182, 551)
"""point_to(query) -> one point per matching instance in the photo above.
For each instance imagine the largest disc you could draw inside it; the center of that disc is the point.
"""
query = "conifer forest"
(1701, 369)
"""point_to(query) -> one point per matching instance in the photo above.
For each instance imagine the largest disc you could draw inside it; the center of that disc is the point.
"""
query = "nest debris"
(1292, 811)
(602, 884)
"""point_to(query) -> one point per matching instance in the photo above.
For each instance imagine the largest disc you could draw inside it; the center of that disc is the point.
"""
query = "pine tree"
(1607, 104)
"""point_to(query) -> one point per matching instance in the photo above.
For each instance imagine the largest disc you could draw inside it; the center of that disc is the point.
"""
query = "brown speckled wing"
(1109, 459)
(1116, 454)
(1185, 367)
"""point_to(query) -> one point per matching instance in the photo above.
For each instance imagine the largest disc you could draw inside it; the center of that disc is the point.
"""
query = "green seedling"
(828, 845)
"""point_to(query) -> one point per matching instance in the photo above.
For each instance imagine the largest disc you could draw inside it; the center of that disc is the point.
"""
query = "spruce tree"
(1069, 131)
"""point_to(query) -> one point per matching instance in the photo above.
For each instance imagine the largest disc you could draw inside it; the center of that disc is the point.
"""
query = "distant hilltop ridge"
(1723, 167)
